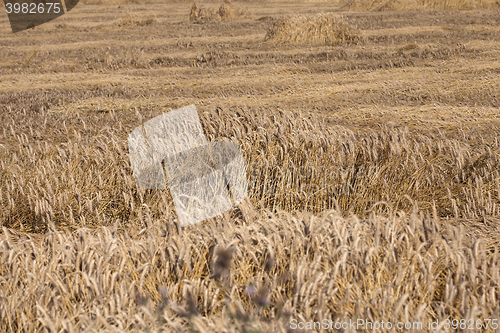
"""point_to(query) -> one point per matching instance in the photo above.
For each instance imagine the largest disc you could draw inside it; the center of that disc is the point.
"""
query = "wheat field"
(372, 158)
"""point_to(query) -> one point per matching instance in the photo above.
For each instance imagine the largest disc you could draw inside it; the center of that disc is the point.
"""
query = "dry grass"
(321, 29)
(294, 162)
(384, 5)
(247, 274)
(226, 12)
(200, 13)
(135, 20)
(128, 2)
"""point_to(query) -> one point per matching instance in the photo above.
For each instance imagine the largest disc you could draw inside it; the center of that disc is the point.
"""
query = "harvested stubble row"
(320, 29)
